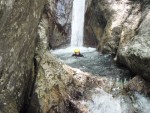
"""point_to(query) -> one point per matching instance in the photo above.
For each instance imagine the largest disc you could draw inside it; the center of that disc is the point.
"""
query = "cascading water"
(101, 65)
(77, 23)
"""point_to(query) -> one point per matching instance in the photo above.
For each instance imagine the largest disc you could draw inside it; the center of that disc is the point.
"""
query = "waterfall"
(77, 23)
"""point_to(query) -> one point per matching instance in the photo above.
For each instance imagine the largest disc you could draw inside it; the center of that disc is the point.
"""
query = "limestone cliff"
(19, 21)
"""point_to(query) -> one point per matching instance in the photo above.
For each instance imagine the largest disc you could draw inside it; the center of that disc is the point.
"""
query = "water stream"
(103, 65)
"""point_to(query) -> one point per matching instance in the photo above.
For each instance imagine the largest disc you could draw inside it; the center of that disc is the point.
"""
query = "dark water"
(103, 65)
(97, 64)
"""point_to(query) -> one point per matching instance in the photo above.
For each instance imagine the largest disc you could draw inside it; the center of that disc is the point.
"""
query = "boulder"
(135, 52)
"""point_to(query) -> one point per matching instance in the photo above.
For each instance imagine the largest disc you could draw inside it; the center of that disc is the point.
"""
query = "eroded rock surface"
(135, 53)
(126, 32)
(95, 24)
(118, 14)
(59, 14)
(19, 21)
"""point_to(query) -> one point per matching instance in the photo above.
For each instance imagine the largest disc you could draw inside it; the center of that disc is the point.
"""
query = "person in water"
(77, 53)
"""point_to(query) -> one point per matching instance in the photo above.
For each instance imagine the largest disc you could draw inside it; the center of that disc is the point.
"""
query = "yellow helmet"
(77, 51)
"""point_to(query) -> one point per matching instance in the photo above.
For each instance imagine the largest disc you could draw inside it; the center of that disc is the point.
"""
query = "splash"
(103, 102)
(142, 104)
(71, 50)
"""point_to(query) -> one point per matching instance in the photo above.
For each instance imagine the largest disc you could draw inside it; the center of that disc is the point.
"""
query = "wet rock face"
(59, 13)
(19, 21)
(135, 54)
(117, 14)
(126, 32)
(95, 24)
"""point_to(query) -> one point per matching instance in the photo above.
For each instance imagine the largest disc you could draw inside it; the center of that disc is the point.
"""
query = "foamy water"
(71, 50)
(142, 104)
(103, 102)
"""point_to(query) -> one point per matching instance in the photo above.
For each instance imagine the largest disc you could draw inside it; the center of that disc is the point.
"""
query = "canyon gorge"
(35, 78)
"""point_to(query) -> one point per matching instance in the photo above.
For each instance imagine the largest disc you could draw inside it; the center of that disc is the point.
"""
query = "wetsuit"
(80, 55)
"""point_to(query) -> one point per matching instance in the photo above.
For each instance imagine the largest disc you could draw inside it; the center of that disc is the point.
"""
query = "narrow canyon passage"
(116, 98)
(38, 73)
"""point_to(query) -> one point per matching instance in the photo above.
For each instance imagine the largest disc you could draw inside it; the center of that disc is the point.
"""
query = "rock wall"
(19, 21)
(134, 46)
(59, 13)
(121, 27)
(126, 32)
(94, 25)
(118, 14)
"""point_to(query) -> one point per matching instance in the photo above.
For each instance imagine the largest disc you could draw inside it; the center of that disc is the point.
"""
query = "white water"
(142, 104)
(103, 102)
(71, 50)
(77, 23)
